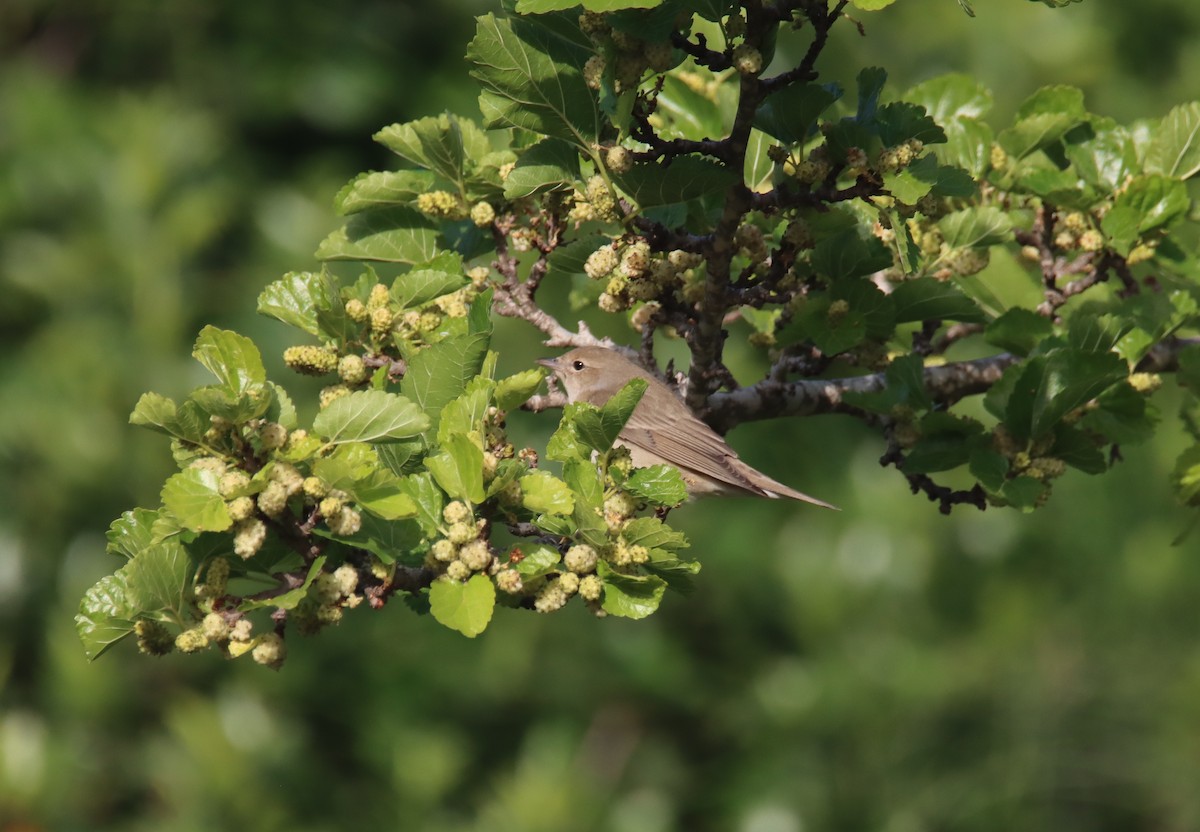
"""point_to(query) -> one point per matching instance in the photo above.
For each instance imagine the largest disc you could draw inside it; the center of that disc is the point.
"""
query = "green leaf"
(872, 5)
(968, 145)
(458, 468)
(537, 560)
(466, 413)
(583, 477)
(544, 493)
(295, 299)
(913, 182)
(370, 416)
(1122, 415)
(439, 373)
(927, 299)
(1023, 492)
(105, 615)
(193, 497)
(1186, 475)
(832, 333)
(1043, 119)
(689, 114)
(1018, 330)
(392, 235)
(513, 391)
(531, 80)
(989, 467)
(383, 189)
(440, 276)
(443, 144)
(790, 114)
(846, 254)
(901, 121)
(653, 534)
(347, 464)
(549, 165)
(132, 532)
(291, 599)
(870, 81)
(662, 485)
(428, 499)
(159, 578)
(382, 493)
(232, 358)
(630, 596)
(1103, 156)
(685, 179)
(565, 443)
(976, 227)
(599, 428)
(1077, 449)
(1147, 203)
(1175, 150)
(951, 96)
(465, 607)
(1072, 378)
(159, 413)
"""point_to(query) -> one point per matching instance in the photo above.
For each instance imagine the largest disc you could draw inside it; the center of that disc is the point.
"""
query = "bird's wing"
(687, 442)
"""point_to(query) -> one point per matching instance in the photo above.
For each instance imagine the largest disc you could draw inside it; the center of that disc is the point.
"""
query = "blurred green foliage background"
(884, 668)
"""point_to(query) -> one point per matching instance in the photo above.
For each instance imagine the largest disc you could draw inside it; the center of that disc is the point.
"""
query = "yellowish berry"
(191, 641)
(240, 508)
(482, 214)
(153, 639)
(352, 369)
(581, 559)
(331, 394)
(270, 650)
(591, 587)
(456, 511)
(248, 537)
(310, 360)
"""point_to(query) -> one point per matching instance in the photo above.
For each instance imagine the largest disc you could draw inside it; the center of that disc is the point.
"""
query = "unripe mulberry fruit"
(601, 263)
(269, 651)
(310, 360)
(345, 523)
(591, 587)
(660, 55)
(240, 508)
(618, 159)
(747, 60)
(191, 641)
(509, 580)
(381, 320)
(581, 559)
(352, 369)
(331, 394)
(153, 639)
(248, 537)
(272, 435)
(482, 214)
(356, 310)
(475, 555)
(233, 482)
(456, 511)
(272, 500)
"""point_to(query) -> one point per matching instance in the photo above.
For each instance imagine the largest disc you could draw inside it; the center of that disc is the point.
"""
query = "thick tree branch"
(771, 398)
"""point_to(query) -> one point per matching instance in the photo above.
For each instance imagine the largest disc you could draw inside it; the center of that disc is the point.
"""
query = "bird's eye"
(577, 365)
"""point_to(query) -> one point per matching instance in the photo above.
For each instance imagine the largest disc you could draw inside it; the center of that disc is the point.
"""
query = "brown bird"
(663, 429)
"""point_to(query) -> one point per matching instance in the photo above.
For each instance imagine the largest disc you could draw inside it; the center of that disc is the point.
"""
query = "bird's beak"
(550, 364)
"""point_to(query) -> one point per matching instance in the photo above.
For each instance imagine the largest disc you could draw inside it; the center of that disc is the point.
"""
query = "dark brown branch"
(771, 398)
